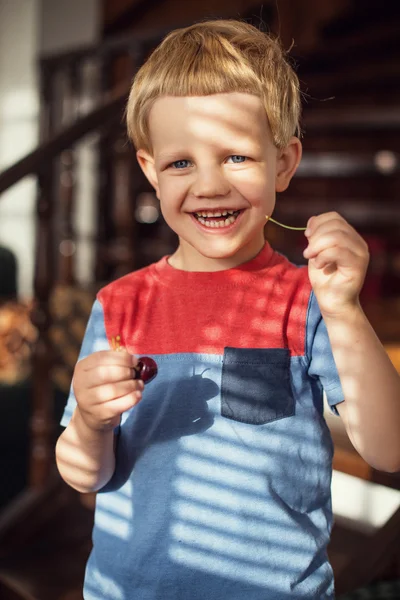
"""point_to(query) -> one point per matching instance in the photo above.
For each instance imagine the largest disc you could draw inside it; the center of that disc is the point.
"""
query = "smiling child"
(214, 479)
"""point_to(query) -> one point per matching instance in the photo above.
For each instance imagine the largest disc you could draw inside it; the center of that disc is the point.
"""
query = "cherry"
(146, 369)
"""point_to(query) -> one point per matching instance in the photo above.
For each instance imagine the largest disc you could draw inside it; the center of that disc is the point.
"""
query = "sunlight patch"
(108, 586)
(264, 555)
(229, 568)
(113, 525)
(232, 523)
(234, 477)
(218, 496)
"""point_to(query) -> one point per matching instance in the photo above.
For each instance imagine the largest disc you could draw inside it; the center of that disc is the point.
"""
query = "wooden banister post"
(66, 242)
(122, 209)
(103, 212)
(66, 248)
(46, 129)
(42, 451)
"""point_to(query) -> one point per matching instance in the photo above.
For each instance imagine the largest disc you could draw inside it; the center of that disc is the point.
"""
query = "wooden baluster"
(46, 128)
(104, 228)
(67, 245)
(103, 235)
(123, 209)
(137, 181)
(41, 427)
(67, 191)
(42, 451)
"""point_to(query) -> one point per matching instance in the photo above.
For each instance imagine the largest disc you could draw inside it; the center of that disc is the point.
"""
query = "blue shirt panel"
(213, 495)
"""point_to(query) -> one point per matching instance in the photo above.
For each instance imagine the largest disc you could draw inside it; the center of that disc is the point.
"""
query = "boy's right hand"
(104, 388)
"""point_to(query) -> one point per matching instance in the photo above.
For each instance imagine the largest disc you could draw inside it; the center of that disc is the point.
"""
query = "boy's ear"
(146, 162)
(287, 162)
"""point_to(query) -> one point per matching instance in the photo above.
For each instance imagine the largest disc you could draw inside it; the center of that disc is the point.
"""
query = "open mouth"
(217, 219)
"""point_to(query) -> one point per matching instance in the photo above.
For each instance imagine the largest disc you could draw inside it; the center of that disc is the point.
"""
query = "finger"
(346, 238)
(323, 224)
(112, 391)
(121, 405)
(109, 357)
(317, 220)
(336, 255)
(102, 374)
(323, 242)
(334, 224)
(338, 224)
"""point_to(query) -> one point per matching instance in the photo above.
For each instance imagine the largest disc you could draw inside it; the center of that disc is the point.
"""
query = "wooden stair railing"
(42, 163)
(32, 164)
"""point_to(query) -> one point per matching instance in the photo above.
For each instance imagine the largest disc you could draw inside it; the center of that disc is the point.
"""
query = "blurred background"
(76, 212)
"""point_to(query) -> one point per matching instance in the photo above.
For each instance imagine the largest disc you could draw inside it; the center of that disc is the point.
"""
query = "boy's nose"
(210, 183)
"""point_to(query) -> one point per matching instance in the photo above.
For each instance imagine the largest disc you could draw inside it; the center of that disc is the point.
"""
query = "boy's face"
(213, 154)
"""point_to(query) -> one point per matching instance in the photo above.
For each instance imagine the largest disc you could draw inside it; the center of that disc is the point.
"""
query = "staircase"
(350, 164)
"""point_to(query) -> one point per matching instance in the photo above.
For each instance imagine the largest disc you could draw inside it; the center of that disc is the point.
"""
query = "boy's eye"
(180, 164)
(237, 158)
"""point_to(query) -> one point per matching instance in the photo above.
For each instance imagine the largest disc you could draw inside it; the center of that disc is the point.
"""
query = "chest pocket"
(255, 386)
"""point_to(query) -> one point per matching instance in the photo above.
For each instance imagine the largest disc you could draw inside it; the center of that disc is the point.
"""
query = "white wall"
(29, 28)
(18, 127)
(65, 24)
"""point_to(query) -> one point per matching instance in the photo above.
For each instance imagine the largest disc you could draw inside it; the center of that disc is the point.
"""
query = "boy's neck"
(187, 258)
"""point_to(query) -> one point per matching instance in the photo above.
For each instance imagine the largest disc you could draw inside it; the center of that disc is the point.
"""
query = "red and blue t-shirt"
(223, 470)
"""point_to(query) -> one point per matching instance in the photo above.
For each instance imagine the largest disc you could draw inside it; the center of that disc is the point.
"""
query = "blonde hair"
(214, 57)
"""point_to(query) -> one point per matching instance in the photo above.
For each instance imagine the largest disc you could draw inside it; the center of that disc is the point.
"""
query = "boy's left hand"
(338, 260)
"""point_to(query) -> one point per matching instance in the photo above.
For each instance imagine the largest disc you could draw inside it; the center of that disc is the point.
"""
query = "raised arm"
(371, 385)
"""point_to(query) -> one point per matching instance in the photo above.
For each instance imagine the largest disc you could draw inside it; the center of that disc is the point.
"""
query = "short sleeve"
(319, 352)
(95, 339)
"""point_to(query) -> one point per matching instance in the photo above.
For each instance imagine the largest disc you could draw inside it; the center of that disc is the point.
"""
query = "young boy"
(214, 480)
